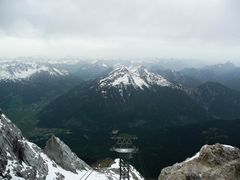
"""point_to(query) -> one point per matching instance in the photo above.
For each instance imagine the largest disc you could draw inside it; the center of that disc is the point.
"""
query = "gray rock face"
(16, 155)
(21, 159)
(63, 156)
(213, 162)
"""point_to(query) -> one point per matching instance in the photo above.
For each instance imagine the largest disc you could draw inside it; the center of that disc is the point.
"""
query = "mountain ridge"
(137, 76)
(161, 101)
(221, 101)
(21, 159)
(16, 71)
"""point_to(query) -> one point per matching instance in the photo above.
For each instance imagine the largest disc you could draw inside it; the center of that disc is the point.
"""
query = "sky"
(183, 29)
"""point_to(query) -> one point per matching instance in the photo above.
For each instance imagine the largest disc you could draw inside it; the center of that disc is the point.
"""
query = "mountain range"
(127, 97)
(88, 99)
(133, 97)
(17, 70)
(227, 74)
(139, 95)
(27, 85)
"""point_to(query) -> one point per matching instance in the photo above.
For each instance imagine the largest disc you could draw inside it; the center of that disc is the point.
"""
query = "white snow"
(11, 164)
(229, 147)
(138, 76)
(106, 174)
(8, 120)
(192, 158)
(133, 171)
(197, 154)
(54, 170)
(8, 154)
(112, 173)
(123, 79)
(1, 124)
(18, 70)
(115, 164)
(104, 65)
(25, 166)
(139, 82)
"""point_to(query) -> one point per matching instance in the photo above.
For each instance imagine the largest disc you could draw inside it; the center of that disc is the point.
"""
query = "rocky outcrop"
(18, 158)
(63, 156)
(213, 162)
(21, 159)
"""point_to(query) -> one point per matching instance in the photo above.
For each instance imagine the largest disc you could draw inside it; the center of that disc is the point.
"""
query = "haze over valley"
(82, 102)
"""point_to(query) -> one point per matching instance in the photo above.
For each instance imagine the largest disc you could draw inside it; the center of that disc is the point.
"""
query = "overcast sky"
(199, 29)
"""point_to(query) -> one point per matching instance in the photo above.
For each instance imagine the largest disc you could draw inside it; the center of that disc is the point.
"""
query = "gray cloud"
(113, 28)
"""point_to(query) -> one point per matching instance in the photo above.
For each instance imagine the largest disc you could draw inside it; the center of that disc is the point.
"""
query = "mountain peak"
(136, 76)
(15, 71)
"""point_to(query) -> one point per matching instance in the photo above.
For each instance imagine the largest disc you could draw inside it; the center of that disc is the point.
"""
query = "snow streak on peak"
(18, 71)
(137, 76)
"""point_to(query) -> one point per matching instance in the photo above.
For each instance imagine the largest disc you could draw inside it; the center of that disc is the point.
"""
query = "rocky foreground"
(213, 162)
(21, 159)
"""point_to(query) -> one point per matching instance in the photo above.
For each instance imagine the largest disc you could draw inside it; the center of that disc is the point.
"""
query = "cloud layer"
(199, 29)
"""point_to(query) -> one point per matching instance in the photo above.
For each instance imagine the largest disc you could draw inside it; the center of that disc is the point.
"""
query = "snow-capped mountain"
(123, 94)
(136, 77)
(21, 159)
(14, 71)
(25, 69)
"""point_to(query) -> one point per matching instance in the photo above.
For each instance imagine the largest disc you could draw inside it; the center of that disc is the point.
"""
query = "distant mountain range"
(21, 71)
(13, 71)
(174, 70)
(34, 87)
(133, 97)
(127, 97)
(83, 101)
(26, 86)
(227, 74)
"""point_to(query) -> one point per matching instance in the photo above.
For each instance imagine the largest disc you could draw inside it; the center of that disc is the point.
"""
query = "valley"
(172, 119)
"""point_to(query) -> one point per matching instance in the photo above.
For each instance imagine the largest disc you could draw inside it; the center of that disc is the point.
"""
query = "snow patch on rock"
(192, 158)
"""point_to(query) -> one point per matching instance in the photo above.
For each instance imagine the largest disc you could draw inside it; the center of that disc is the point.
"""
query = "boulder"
(215, 162)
